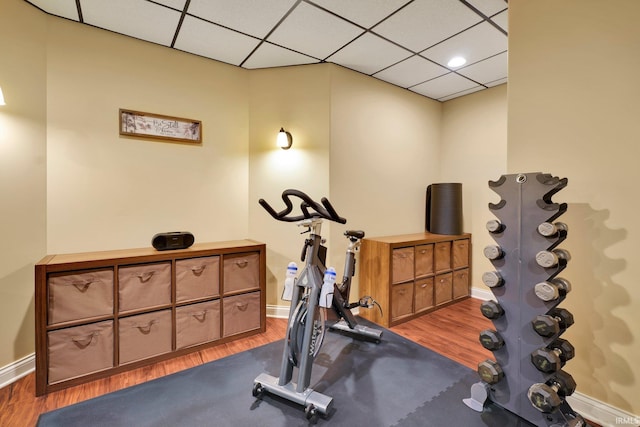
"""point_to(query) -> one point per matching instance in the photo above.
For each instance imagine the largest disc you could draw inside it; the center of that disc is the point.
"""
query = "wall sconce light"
(2, 98)
(284, 139)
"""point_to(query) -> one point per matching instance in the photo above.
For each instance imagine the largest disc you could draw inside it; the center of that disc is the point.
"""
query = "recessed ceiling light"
(456, 61)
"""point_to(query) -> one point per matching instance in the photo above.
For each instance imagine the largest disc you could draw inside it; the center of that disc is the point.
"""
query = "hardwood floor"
(451, 331)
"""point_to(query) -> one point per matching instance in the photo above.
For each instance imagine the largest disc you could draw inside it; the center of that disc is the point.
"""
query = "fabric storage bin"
(197, 323)
(144, 335)
(443, 288)
(80, 350)
(402, 265)
(79, 295)
(143, 286)
(241, 272)
(197, 278)
(442, 256)
(423, 294)
(402, 300)
(460, 283)
(241, 313)
(424, 260)
(460, 253)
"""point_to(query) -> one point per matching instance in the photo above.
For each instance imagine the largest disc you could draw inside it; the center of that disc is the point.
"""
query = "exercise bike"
(307, 317)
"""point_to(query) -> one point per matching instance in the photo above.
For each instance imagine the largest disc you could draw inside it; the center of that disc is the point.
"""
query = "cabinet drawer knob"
(424, 285)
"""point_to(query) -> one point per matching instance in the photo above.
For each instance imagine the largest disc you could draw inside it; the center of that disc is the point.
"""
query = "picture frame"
(157, 126)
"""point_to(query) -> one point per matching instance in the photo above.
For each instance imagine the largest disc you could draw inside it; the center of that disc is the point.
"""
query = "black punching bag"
(444, 208)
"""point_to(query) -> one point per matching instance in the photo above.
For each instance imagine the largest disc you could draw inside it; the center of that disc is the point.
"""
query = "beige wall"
(573, 112)
(296, 98)
(22, 172)
(474, 151)
(106, 191)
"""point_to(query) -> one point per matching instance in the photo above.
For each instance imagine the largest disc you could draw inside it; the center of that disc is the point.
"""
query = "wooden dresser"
(100, 313)
(412, 274)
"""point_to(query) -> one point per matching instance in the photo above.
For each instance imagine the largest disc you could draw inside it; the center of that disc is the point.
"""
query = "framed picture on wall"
(157, 126)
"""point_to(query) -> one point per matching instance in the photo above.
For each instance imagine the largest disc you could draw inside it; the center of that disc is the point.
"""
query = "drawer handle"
(82, 286)
(200, 316)
(84, 342)
(145, 329)
(424, 285)
(243, 263)
(145, 277)
(242, 307)
(198, 270)
(424, 251)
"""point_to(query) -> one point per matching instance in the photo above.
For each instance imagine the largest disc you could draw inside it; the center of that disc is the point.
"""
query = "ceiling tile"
(176, 4)
(269, 55)
(443, 86)
(314, 32)
(489, 7)
(488, 70)
(253, 17)
(64, 8)
(459, 94)
(502, 19)
(369, 54)
(206, 39)
(362, 12)
(411, 72)
(424, 23)
(474, 44)
(136, 18)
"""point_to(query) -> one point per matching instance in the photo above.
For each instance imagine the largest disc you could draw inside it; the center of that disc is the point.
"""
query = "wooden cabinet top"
(417, 238)
(149, 254)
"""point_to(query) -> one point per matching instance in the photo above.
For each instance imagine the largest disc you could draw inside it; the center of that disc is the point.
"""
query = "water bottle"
(326, 294)
(289, 281)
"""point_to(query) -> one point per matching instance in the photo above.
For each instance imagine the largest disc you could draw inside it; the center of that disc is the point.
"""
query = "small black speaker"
(172, 240)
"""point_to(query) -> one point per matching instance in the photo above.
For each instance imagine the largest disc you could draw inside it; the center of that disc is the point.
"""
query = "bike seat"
(359, 234)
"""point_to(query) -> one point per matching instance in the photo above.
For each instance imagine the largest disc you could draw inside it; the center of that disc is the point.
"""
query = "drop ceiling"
(407, 43)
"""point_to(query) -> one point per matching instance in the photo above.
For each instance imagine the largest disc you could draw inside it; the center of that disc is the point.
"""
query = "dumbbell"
(494, 226)
(548, 259)
(546, 397)
(552, 358)
(491, 309)
(550, 324)
(548, 229)
(493, 252)
(492, 279)
(552, 289)
(490, 372)
(491, 340)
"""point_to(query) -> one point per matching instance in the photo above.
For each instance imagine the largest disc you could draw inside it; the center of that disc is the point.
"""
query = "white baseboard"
(278, 311)
(483, 294)
(18, 369)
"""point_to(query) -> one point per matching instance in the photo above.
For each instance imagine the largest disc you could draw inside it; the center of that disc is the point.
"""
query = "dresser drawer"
(144, 336)
(424, 260)
(460, 253)
(442, 256)
(241, 272)
(197, 324)
(144, 286)
(401, 300)
(79, 295)
(197, 278)
(443, 288)
(423, 294)
(241, 313)
(460, 283)
(80, 350)
(402, 265)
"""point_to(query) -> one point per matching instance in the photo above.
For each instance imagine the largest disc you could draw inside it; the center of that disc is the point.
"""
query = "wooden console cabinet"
(101, 313)
(412, 274)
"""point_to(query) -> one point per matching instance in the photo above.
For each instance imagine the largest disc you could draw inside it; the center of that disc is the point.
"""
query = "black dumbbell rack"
(525, 204)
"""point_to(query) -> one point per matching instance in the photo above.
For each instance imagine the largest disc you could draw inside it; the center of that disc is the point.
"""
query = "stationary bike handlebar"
(309, 208)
